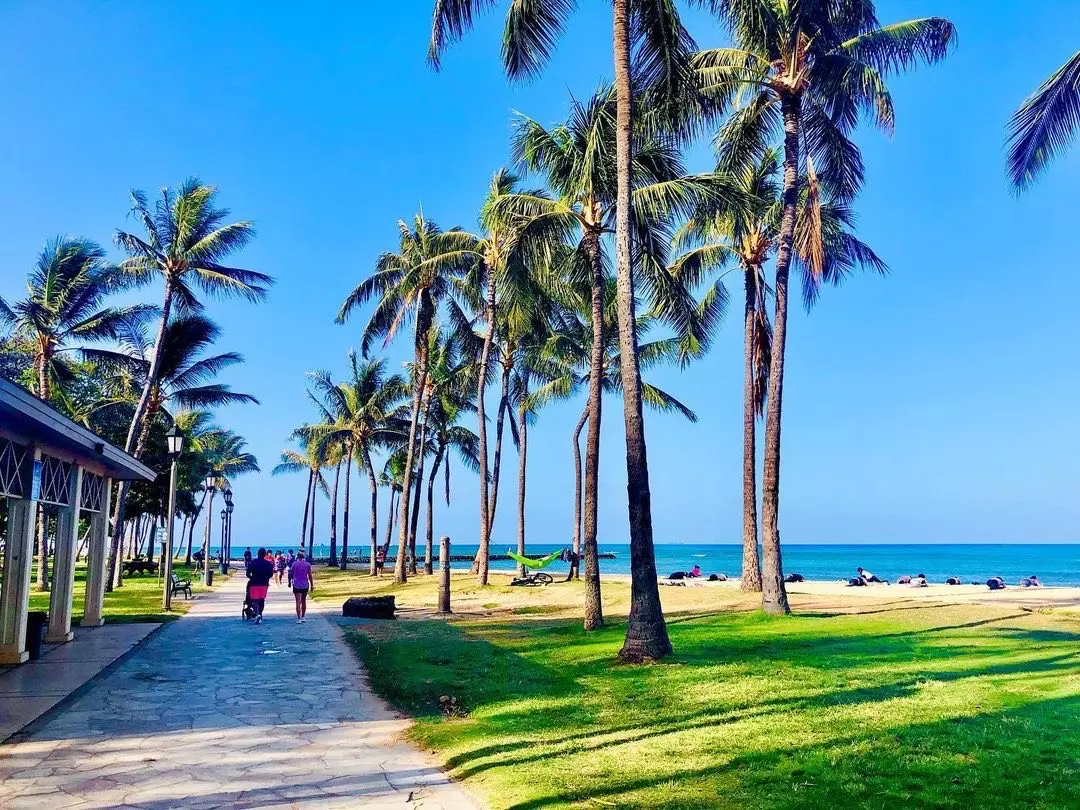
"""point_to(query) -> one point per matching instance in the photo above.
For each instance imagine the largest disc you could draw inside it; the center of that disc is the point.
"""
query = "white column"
(95, 561)
(67, 542)
(15, 595)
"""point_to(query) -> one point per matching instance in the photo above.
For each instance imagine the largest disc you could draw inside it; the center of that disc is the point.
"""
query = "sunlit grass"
(139, 600)
(915, 704)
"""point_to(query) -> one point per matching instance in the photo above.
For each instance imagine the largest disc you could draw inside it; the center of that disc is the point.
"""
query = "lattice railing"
(54, 481)
(14, 471)
(93, 487)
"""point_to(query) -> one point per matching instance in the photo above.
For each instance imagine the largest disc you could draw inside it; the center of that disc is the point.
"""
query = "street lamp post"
(221, 542)
(212, 478)
(175, 441)
(226, 532)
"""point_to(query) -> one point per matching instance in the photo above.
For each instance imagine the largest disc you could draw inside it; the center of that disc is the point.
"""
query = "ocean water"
(1053, 564)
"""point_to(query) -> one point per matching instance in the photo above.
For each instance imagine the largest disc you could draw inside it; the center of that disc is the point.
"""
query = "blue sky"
(937, 404)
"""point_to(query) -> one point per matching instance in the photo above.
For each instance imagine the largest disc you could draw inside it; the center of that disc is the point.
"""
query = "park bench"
(181, 586)
(139, 566)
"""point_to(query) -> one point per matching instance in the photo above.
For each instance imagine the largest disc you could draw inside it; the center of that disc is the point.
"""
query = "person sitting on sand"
(1031, 582)
(995, 584)
(868, 577)
(919, 581)
(694, 572)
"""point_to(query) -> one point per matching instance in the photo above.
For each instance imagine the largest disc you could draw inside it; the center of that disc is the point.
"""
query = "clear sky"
(938, 404)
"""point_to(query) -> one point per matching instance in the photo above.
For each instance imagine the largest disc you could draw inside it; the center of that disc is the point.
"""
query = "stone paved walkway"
(215, 712)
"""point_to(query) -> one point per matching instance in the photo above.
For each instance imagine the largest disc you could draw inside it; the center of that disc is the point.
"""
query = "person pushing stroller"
(259, 574)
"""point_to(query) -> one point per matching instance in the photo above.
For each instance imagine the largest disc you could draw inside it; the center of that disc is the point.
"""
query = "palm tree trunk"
(307, 505)
(429, 527)
(423, 326)
(751, 569)
(594, 611)
(481, 419)
(311, 526)
(523, 444)
(135, 432)
(373, 485)
(206, 533)
(773, 593)
(43, 549)
(418, 492)
(41, 366)
(390, 515)
(483, 553)
(191, 528)
(575, 564)
(646, 632)
(345, 516)
(333, 516)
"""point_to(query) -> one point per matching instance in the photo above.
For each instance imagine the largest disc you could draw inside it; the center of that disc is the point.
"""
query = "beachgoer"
(290, 558)
(857, 582)
(995, 584)
(904, 580)
(868, 577)
(794, 578)
(919, 581)
(247, 557)
(953, 581)
(380, 562)
(1031, 582)
(302, 583)
(677, 575)
(695, 571)
(259, 574)
(279, 566)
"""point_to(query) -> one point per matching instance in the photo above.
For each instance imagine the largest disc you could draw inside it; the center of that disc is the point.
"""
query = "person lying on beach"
(1031, 582)
(794, 578)
(717, 577)
(868, 577)
(954, 581)
(857, 582)
(995, 584)
(919, 581)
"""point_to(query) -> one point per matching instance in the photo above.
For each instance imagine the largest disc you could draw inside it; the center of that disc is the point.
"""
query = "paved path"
(215, 712)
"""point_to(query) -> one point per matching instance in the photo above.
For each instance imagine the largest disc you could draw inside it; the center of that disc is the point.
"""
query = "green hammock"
(529, 562)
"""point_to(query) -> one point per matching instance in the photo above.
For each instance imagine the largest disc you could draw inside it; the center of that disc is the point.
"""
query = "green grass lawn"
(139, 600)
(898, 704)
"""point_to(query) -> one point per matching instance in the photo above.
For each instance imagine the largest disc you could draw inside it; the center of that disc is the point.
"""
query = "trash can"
(36, 621)
(210, 576)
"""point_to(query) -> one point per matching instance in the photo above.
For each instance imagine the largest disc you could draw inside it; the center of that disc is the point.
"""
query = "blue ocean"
(1054, 564)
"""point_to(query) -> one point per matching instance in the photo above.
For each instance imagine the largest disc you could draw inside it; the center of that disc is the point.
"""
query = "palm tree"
(186, 240)
(578, 161)
(392, 477)
(825, 250)
(229, 458)
(571, 347)
(814, 69)
(184, 377)
(362, 415)
(1044, 125)
(65, 291)
(64, 296)
(662, 47)
(310, 458)
(424, 275)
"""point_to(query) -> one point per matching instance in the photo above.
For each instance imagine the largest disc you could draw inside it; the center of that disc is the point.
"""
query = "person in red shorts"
(259, 574)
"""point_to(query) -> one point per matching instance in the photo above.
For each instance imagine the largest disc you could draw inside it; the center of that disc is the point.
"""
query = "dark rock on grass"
(369, 607)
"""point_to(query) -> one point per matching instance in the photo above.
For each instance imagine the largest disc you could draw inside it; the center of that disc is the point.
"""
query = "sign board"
(35, 481)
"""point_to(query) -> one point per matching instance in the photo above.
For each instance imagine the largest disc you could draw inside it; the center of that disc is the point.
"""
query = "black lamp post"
(175, 440)
(228, 534)
(212, 479)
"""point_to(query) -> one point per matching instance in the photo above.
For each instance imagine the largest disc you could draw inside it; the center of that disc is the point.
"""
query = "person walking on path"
(302, 583)
(247, 557)
(259, 573)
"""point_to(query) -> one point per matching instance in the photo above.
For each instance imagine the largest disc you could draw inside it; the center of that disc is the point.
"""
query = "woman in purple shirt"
(302, 582)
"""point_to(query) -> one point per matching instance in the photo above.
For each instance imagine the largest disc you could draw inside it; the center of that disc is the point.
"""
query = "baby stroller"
(248, 610)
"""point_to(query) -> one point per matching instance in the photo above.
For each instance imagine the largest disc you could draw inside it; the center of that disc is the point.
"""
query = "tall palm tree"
(423, 276)
(64, 296)
(825, 251)
(814, 68)
(579, 163)
(571, 347)
(1045, 124)
(310, 459)
(363, 414)
(65, 293)
(662, 47)
(229, 457)
(393, 478)
(185, 378)
(186, 240)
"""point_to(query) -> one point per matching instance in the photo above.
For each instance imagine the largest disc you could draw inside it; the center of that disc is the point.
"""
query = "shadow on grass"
(556, 693)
